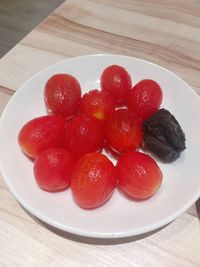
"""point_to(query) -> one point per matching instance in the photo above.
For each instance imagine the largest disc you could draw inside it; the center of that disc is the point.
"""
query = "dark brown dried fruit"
(163, 135)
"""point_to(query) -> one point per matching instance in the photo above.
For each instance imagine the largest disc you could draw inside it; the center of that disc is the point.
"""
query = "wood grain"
(134, 28)
(5, 95)
(164, 32)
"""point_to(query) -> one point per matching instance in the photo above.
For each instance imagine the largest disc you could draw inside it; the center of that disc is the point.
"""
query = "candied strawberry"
(116, 80)
(93, 180)
(53, 169)
(123, 131)
(145, 98)
(139, 175)
(66, 135)
(41, 133)
(62, 95)
(99, 104)
(85, 134)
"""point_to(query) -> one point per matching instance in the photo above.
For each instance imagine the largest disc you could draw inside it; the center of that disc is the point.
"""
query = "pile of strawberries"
(66, 145)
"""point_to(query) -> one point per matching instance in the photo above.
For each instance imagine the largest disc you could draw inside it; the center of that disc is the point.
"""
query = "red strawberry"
(53, 168)
(116, 80)
(99, 104)
(85, 134)
(41, 133)
(62, 95)
(123, 131)
(93, 180)
(139, 175)
(145, 98)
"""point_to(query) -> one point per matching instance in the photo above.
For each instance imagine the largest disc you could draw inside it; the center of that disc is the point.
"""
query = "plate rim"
(78, 231)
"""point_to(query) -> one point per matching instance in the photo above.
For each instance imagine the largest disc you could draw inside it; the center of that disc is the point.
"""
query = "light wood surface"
(164, 32)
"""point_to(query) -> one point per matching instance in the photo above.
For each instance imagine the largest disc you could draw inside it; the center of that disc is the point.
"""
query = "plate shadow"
(93, 240)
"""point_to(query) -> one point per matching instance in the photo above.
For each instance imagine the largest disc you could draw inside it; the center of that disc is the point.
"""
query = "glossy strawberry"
(123, 131)
(67, 134)
(145, 98)
(93, 180)
(41, 133)
(139, 175)
(62, 95)
(116, 80)
(85, 135)
(99, 104)
(53, 169)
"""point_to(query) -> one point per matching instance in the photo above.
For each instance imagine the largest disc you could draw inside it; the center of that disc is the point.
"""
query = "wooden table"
(164, 32)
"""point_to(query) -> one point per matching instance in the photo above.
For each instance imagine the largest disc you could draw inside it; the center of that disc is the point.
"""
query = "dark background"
(19, 17)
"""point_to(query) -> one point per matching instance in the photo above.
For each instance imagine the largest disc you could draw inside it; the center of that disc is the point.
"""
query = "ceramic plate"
(119, 217)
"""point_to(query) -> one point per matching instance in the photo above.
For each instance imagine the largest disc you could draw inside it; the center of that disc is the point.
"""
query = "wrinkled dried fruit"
(163, 135)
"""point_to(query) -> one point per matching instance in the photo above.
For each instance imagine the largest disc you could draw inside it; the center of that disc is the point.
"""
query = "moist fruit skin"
(139, 175)
(164, 136)
(123, 131)
(41, 133)
(93, 180)
(53, 169)
(117, 81)
(67, 134)
(145, 98)
(85, 134)
(99, 104)
(62, 95)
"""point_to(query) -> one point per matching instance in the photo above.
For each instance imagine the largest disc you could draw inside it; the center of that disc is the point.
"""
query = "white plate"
(119, 217)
